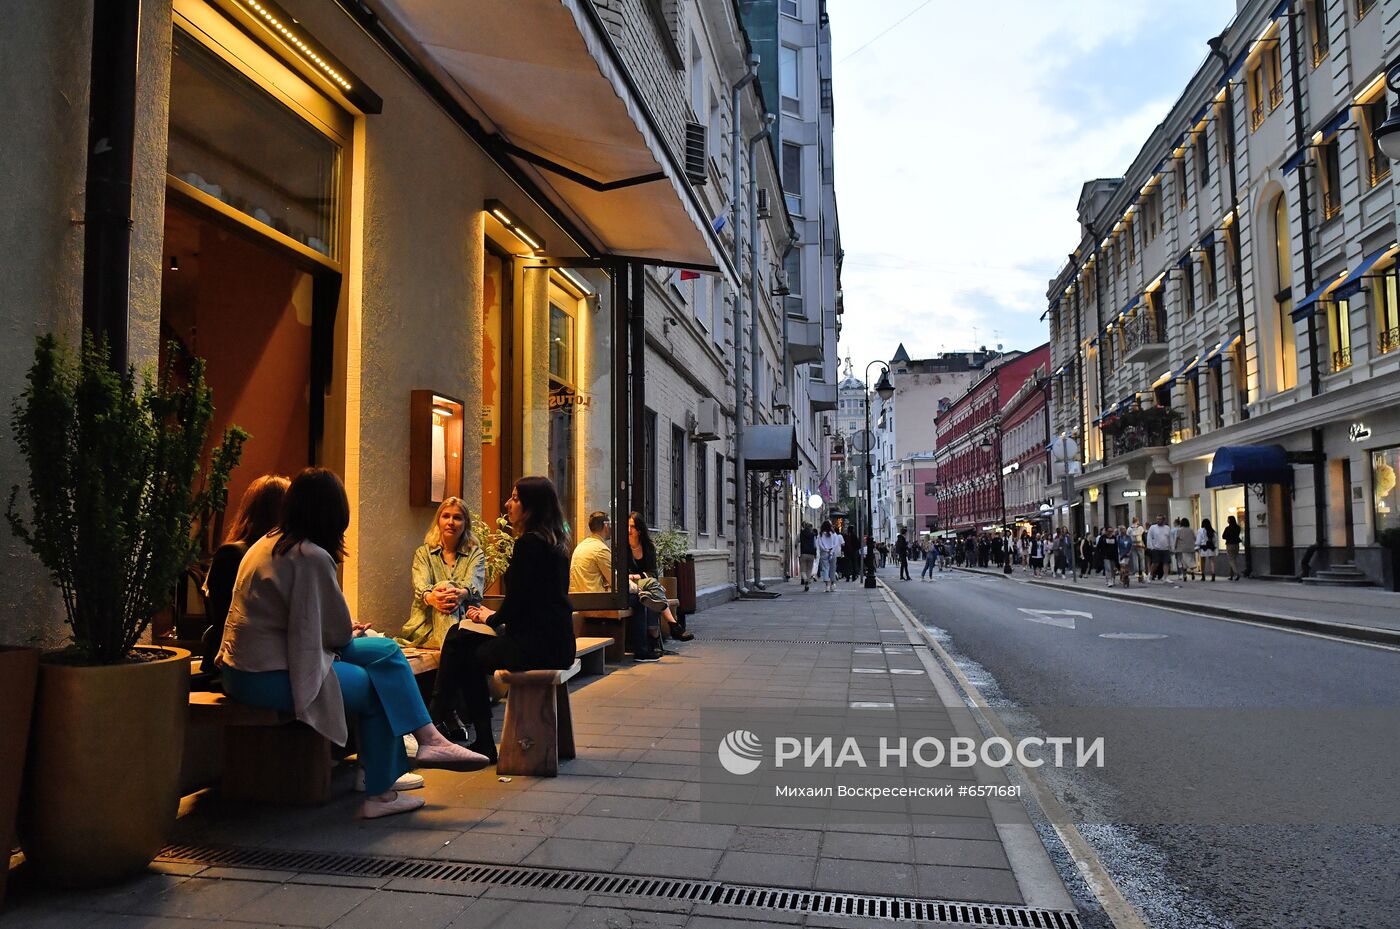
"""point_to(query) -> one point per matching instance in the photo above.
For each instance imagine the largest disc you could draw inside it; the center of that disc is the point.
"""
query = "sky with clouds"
(963, 136)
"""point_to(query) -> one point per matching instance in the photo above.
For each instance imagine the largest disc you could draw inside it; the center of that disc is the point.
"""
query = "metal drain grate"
(859, 906)
(791, 641)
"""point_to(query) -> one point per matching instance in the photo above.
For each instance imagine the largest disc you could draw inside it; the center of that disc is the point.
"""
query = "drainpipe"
(754, 141)
(1314, 369)
(116, 34)
(1217, 49)
(740, 472)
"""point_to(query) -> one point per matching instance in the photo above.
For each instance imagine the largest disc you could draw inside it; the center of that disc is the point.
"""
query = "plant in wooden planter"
(114, 490)
(672, 547)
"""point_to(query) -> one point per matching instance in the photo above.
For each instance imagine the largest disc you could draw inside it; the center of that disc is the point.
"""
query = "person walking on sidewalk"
(1125, 549)
(1184, 545)
(901, 554)
(1107, 552)
(1159, 548)
(1205, 547)
(1231, 536)
(829, 546)
(1138, 557)
(806, 553)
(1036, 554)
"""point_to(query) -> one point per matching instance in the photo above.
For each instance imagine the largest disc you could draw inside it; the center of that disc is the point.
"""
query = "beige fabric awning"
(539, 73)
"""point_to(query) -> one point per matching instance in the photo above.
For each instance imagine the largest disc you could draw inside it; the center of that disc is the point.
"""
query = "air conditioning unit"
(780, 397)
(706, 426)
(695, 152)
(763, 211)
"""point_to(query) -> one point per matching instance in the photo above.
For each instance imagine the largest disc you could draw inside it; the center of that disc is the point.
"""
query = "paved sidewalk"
(626, 806)
(1365, 613)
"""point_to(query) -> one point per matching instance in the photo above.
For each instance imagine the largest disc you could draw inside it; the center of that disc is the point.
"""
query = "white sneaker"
(374, 809)
(409, 781)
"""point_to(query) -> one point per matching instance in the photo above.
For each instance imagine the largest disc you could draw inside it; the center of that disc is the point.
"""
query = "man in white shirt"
(590, 569)
(1159, 547)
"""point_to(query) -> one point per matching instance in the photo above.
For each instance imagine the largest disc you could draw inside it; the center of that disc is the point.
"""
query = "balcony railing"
(1275, 96)
(1320, 51)
(1388, 340)
(1139, 429)
(1379, 167)
(1144, 337)
(1331, 206)
(1341, 360)
(1256, 116)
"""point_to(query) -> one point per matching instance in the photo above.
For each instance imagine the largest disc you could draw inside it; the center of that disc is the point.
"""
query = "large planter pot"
(19, 671)
(103, 783)
(685, 583)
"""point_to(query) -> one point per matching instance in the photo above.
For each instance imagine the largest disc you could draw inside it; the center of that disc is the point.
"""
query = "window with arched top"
(1284, 344)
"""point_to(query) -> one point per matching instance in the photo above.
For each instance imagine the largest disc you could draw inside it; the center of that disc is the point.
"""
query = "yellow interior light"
(1372, 88)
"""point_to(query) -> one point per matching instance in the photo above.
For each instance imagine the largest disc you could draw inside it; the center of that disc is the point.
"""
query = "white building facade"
(1225, 338)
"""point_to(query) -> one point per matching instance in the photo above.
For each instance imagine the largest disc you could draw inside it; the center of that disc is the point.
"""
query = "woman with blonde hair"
(449, 575)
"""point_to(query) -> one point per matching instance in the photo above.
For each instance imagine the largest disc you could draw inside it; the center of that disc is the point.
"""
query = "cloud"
(962, 140)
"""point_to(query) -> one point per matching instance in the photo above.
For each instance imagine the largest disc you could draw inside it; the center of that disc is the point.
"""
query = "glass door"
(569, 388)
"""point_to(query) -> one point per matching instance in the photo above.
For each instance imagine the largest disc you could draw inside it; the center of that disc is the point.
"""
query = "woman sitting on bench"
(449, 577)
(290, 645)
(533, 629)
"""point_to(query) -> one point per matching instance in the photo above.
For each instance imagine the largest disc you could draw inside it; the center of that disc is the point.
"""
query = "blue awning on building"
(1131, 304)
(1250, 464)
(1184, 260)
(1308, 306)
(1208, 240)
(1338, 120)
(1292, 164)
(1216, 355)
(1352, 284)
(1187, 367)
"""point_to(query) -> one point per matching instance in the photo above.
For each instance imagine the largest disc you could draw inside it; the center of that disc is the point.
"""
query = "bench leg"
(593, 663)
(529, 740)
(565, 721)
(277, 764)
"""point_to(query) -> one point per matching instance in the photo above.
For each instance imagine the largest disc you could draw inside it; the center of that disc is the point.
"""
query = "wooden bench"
(539, 727)
(611, 624)
(268, 757)
(591, 653)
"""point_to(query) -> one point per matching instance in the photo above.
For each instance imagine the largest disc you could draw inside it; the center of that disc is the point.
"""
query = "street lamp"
(1387, 134)
(886, 390)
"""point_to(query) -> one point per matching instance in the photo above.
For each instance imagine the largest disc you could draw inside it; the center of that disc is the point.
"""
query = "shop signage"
(1359, 432)
(1130, 494)
(565, 399)
(488, 424)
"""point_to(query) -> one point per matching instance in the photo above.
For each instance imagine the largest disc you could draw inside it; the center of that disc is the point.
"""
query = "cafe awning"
(770, 448)
(1250, 464)
(544, 78)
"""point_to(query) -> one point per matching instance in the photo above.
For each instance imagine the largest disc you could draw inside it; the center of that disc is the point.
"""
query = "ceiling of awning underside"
(536, 72)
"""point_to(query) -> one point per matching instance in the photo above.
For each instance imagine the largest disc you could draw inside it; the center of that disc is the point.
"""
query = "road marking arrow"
(1065, 619)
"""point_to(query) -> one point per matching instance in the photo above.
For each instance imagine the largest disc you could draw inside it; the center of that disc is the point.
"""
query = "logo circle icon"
(740, 752)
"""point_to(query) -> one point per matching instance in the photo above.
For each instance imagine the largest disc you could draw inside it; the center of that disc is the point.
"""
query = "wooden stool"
(539, 727)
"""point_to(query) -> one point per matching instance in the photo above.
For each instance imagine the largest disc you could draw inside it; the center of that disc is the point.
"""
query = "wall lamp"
(516, 228)
(1387, 134)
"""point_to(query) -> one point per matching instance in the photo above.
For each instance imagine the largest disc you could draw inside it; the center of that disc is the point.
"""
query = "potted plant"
(113, 465)
(1389, 541)
(672, 552)
(498, 545)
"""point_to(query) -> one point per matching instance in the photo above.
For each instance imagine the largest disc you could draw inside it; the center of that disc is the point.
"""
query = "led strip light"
(297, 43)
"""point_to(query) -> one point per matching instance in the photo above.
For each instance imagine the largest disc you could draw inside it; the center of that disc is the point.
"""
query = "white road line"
(1231, 619)
(1120, 912)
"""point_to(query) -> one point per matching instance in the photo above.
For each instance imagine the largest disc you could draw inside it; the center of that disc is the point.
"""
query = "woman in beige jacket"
(290, 644)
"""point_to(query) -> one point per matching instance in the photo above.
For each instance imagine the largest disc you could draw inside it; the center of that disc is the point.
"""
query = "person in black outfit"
(901, 552)
(534, 626)
(258, 512)
(641, 561)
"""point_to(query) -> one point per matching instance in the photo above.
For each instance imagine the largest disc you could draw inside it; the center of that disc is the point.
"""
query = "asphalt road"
(1028, 648)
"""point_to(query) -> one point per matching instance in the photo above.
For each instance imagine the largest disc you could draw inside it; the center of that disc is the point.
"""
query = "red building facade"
(969, 453)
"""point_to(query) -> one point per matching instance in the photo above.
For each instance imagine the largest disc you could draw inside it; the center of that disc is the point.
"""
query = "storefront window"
(566, 386)
(237, 143)
(1385, 496)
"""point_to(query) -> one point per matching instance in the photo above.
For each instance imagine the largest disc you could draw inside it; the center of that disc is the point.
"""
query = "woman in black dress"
(534, 626)
(258, 511)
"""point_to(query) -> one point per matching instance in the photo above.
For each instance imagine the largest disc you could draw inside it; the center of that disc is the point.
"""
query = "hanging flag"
(721, 218)
(689, 275)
